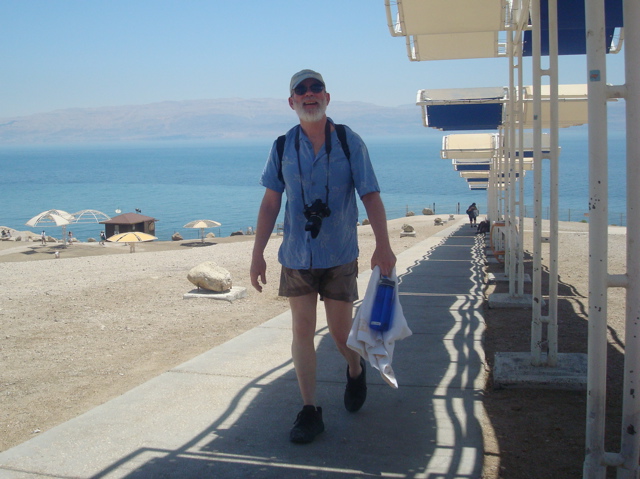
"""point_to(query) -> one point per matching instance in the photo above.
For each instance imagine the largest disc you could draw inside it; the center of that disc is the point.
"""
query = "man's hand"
(269, 209)
(384, 258)
(258, 271)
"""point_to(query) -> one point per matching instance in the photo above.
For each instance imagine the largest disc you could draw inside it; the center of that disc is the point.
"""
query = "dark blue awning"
(572, 27)
(465, 117)
(472, 167)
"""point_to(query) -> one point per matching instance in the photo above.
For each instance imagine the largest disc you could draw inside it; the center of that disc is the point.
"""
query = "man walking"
(320, 174)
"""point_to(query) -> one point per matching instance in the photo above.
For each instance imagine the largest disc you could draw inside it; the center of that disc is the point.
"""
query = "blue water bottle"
(382, 312)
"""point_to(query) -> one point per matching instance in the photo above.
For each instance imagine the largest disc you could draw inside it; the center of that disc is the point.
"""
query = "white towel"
(374, 346)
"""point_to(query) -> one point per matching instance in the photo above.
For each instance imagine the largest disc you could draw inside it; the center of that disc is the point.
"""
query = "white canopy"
(446, 96)
(417, 17)
(455, 46)
(572, 104)
(469, 145)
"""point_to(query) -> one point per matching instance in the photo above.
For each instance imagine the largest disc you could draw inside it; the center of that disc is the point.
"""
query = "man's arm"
(269, 209)
(383, 255)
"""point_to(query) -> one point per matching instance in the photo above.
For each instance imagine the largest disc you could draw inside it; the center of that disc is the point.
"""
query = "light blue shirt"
(337, 243)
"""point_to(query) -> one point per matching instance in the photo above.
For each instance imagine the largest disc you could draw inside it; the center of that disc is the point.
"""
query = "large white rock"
(210, 276)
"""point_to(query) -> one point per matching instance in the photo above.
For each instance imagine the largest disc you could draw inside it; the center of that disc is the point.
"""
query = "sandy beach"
(82, 329)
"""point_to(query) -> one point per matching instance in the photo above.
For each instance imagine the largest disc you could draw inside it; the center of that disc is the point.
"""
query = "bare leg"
(303, 350)
(339, 319)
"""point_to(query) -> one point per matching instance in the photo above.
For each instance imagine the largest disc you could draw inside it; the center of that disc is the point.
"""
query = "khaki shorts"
(338, 283)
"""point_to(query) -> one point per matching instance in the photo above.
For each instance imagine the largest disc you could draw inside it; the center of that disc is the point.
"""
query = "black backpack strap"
(342, 136)
(280, 150)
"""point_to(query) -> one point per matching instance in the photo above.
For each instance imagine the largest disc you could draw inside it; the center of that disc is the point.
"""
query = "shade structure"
(475, 174)
(471, 164)
(482, 108)
(469, 145)
(131, 238)
(416, 17)
(463, 109)
(472, 167)
(202, 225)
(572, 106)
(455, 46)
(90, 216)
(571, 27)
(55, 217)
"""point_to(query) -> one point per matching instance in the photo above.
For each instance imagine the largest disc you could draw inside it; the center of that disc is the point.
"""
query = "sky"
(58, 54)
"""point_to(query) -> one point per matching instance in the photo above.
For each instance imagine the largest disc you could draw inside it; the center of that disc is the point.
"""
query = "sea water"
(177, 182)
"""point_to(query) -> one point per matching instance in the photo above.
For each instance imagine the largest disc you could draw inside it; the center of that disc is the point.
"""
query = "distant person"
(43, 237)
(472, 212)
(103, 238)
(70, 237)
(319, 252)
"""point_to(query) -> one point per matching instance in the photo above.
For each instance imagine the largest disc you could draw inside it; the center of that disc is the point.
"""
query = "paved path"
(227, 413)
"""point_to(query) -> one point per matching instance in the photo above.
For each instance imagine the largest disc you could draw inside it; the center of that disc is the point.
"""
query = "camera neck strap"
(327, 147)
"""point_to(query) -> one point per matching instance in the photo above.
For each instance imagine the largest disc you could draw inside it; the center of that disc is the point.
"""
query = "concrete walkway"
(227, 413)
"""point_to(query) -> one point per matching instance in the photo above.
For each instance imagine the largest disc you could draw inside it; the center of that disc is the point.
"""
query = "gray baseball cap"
(303, 75)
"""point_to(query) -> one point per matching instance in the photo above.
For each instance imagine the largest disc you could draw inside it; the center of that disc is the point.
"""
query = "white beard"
(311, 116)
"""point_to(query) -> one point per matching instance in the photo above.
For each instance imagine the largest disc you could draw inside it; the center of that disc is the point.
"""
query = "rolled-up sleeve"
(364, 178)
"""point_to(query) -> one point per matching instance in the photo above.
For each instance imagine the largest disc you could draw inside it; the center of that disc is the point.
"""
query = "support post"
(594, 467)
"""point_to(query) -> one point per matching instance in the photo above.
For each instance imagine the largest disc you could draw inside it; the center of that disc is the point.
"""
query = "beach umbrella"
(131, 238)
(201, 225)
(56, 217)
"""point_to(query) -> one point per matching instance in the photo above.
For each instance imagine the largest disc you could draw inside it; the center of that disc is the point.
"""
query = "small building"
(128, 222)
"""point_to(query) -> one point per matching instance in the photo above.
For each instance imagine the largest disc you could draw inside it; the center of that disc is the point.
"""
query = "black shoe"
(356, 392)
(307, 426)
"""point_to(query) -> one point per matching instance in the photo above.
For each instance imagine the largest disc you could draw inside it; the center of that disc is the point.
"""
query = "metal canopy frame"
(551, 28)
(596, 458)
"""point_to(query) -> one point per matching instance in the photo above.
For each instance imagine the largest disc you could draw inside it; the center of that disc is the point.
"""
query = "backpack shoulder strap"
(342, 136)
(280, 150)
(280, 146)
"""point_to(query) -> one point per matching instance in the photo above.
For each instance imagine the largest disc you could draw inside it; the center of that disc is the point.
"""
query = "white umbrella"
(202, 224)
(56, 217)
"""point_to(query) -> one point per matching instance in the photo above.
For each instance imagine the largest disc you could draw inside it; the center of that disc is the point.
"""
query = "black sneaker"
(356, 392)
(307, 426)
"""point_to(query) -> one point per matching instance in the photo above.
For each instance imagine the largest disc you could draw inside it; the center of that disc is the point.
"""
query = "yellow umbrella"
(202, 224)
(131, 238)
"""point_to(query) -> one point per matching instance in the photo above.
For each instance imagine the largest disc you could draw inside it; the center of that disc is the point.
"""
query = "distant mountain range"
(212, 119)
(198, 120)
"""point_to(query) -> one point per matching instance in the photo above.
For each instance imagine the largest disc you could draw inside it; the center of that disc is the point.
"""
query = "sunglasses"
(302, 89)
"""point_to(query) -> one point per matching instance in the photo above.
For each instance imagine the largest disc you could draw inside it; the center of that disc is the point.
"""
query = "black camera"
(314, 213)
